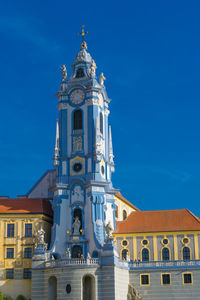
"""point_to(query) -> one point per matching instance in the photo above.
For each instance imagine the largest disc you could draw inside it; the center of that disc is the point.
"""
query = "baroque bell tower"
(83, 157)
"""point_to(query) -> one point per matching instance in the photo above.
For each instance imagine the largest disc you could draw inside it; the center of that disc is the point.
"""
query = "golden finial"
(83, 33)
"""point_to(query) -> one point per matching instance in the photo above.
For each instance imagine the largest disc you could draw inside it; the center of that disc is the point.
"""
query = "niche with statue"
(77, 222)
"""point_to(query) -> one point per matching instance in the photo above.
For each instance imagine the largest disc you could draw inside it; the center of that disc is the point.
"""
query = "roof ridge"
(195, 217)
(39, 180)
(178, 209)
(121, 197)
(157, 221)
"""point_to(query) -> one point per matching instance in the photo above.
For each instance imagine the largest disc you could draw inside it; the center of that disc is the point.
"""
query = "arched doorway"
(77, 251)
(89, 292)
(52, 288)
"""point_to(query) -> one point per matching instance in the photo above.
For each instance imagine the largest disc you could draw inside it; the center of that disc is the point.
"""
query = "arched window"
(101, 122)
(186, 253)
(80, 73)
(124, 254)
(77, 228)
(165, 254)
(116, 212)
(89, 292)
(124, 214)
(78, 119)
(77, 252)
(52, 288)
(145, 254)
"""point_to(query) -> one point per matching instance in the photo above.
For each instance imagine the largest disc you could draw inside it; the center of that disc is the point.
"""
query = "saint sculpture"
(109, 230)
(93, 68)
(64, 72)
(76, 226)
(101, 79)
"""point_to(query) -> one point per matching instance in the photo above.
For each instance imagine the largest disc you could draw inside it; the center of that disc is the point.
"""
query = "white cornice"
(63, 106)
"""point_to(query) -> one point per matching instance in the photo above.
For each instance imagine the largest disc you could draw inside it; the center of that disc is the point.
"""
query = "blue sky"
(149, 52)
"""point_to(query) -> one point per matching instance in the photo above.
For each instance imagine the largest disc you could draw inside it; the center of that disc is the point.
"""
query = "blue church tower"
(151, 254)
(83, 201)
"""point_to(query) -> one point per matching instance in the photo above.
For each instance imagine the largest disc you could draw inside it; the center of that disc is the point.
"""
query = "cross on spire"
(83, 33)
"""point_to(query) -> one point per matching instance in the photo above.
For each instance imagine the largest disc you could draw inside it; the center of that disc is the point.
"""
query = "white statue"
(64, 72)
(77, 194)
(88, 256)
(40, 236)
(76, 226)
(101, 79)
(93, 68)
(108, 229)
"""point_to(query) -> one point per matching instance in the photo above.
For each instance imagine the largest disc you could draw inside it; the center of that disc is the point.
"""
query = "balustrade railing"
(123, 263)
(72, 261)
(159, 264)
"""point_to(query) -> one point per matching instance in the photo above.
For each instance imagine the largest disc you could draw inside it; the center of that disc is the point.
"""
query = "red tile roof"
(119, 196)
(157, 221)
(26, 206)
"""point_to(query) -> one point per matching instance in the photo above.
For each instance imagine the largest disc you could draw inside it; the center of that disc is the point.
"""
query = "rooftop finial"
(83, 33)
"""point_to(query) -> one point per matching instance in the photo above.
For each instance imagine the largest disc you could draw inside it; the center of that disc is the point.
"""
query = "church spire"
(56, 148)
(83, 158)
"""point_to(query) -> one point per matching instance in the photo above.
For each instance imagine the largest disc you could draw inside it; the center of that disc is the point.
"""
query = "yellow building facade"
(19, 221)
(134, 243)
(147, 236)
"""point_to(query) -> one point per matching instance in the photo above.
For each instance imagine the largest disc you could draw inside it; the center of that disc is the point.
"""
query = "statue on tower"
(76, 226)
(109, 230)
(64, 72)
(101, 79)
(93, 68)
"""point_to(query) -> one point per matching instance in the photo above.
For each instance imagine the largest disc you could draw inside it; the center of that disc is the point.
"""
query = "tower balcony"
(70, 262)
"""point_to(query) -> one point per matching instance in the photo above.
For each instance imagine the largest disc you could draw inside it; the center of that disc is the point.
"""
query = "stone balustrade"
(159, 264)
(122, 263)
(72, 261)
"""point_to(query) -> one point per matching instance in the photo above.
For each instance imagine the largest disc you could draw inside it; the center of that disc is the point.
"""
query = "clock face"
(77, 96)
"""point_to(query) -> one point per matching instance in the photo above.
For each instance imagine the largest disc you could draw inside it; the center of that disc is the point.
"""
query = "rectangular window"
(9, 273)
(10, 230)
(10, 253)
(144, 279)
(28, 230)
(27, 274)
(187, 278)
(166, 279)
(28, 253)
